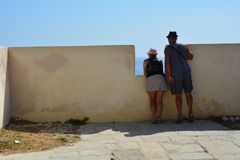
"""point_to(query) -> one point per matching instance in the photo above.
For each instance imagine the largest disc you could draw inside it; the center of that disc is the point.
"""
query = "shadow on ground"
(131, 129)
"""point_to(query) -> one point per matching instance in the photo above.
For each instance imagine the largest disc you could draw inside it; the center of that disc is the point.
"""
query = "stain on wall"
(52, 62)
(213, 107)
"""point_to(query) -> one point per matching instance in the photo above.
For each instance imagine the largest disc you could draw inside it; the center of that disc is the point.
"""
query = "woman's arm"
(161, 63)
(145, 62)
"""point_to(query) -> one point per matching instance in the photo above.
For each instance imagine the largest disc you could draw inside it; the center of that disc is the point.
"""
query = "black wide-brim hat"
(172, 34)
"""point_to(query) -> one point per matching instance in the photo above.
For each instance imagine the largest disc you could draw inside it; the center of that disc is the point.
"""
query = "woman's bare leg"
(152, 97)
(159, 102)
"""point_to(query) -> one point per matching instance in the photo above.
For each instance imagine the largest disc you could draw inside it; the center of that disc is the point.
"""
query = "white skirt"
(156, 83)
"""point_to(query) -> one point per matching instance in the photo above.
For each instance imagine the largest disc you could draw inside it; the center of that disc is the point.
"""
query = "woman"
(155, 84)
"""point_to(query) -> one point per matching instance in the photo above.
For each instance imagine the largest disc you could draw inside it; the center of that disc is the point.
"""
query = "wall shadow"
(132, 129)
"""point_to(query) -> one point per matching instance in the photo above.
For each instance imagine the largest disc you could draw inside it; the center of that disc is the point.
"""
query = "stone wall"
(59, 83)
(4, 88)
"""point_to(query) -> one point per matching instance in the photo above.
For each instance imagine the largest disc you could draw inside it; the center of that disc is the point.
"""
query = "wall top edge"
(127, 45)
(122, 45)
(209, 44)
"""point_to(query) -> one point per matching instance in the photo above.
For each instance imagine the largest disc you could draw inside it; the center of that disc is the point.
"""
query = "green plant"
(2, 130)
(62, 139)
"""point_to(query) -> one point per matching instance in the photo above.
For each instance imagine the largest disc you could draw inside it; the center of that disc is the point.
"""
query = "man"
(178, 74)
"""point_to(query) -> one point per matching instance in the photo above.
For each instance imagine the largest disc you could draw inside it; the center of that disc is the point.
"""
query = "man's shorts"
(183, 82)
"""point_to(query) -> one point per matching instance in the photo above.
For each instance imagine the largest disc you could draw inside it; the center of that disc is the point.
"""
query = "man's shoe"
(191, 118)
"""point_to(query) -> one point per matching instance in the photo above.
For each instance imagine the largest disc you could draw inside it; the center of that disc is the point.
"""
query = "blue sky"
(143, 23)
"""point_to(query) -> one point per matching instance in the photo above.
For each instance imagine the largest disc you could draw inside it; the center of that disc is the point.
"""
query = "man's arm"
(189, 54)
(170, 79)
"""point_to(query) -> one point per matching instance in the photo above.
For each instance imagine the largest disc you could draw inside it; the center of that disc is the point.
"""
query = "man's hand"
(190, 56)
(171, 80)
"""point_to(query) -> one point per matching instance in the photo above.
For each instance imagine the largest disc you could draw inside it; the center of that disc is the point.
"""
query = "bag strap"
(178, 52)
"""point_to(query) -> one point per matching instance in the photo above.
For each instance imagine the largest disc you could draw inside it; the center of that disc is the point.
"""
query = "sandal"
(179, 120)
(154, 121)
(159, 120)
(191, 118)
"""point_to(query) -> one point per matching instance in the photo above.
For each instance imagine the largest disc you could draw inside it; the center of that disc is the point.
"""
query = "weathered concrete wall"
(58, 83)
(216, 79)
(4, 88)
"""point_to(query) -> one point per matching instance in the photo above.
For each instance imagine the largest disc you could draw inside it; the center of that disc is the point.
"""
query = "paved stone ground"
(201, 140)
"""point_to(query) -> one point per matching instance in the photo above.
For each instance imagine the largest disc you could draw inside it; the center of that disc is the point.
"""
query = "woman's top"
(154, 67)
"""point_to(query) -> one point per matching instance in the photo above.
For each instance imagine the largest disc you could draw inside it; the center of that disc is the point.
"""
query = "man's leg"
(187, 84)
(176, 89)
(189, 99)
(178, 100)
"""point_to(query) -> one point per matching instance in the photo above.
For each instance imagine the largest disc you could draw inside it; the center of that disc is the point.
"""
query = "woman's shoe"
(179, 120)
(159, 120)
(191, 118)
(154, 121)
